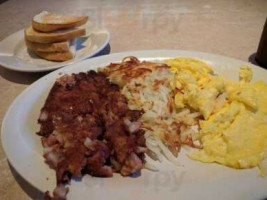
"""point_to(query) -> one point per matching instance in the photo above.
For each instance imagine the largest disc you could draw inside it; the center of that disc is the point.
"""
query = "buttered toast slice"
(47, 22)
(55, 56)
(59, 56)
(51, 47)
(57, 36)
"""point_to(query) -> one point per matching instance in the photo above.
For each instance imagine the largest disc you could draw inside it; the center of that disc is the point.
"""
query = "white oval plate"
(192, 180)
(14, 54)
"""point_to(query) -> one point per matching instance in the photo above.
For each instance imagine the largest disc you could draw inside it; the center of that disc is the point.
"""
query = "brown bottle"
(261, 55)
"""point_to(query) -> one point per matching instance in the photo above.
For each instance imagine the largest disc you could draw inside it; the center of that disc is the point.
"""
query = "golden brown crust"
(53, 27)
(52, 47)
(55, 56)
(39, 37)
(130, 68)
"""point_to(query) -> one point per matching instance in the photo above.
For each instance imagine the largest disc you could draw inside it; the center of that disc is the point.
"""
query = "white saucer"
(14, 54)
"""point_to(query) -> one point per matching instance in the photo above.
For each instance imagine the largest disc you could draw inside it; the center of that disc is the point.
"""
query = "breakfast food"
(56, 56)
(87, 127)
(60, 51)
(233, 131)
(50, 47)
(52, 36)
(47, 22)
(104, 122)
(148, 86)
(185, 103)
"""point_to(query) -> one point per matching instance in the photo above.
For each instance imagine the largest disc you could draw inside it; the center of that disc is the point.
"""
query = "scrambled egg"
(233, 131)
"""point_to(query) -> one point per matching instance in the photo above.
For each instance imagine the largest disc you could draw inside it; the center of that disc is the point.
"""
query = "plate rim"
(111, 58)
(21, 31)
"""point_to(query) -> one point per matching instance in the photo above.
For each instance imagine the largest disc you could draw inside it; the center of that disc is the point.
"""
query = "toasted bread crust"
(52, 47)
(39, 37)
(55, 56)
(53, 27)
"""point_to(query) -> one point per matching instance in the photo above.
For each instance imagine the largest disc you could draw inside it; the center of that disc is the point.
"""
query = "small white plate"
(14, 54)
(192, 180)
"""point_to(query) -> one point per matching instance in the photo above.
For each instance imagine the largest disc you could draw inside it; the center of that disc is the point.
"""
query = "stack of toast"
(52, 36)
